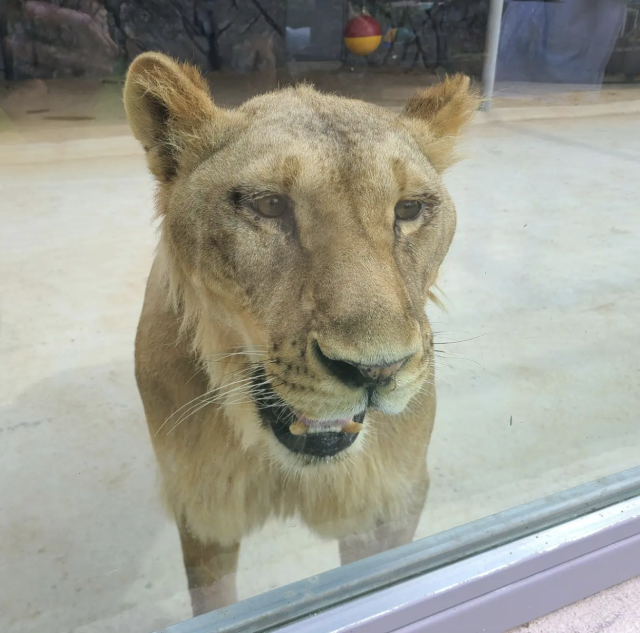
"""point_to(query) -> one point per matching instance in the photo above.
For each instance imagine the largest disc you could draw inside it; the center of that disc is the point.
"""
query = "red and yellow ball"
(362, 35)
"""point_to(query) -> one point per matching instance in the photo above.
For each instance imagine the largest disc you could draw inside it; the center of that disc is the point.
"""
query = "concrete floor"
(542, 278)
(616, 610)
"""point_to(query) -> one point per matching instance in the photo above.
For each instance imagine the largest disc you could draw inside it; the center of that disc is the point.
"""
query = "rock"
(160, 25)
(52, 39)
(248, 36)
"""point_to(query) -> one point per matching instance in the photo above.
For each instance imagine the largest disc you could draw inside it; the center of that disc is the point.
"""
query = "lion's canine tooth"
(353, 427)
(298, 428)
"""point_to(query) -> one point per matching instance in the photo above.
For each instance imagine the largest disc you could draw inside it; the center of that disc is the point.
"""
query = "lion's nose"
(382, 374)
(356, 374)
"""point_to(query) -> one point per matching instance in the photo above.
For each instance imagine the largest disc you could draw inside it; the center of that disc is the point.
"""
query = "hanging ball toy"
(362, 35)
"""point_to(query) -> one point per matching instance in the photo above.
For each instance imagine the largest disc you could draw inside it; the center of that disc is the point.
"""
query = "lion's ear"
(435, 116)
(166, 103)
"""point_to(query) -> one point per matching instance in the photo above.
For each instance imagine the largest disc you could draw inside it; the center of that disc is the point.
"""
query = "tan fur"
(445, 110)
(229, 291)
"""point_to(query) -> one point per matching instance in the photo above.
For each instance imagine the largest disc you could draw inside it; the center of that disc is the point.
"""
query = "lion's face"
(313, 228)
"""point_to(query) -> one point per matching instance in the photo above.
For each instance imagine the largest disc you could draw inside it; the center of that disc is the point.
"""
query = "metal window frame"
(490, 574)
(503, 588)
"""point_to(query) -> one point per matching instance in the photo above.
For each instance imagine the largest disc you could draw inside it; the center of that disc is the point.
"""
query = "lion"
(283, 356)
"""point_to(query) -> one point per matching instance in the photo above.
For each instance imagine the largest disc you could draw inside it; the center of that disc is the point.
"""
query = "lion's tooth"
(353, 427)
(298, 428)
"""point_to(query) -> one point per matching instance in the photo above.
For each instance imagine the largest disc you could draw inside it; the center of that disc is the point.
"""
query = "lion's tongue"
(303, 425)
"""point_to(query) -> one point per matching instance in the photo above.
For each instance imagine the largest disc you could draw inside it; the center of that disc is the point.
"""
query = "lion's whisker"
(465, 340)
(458, 357)
(217, 391)
(198, 397)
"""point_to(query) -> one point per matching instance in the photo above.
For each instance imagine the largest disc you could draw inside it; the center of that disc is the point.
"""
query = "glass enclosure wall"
(527, 367)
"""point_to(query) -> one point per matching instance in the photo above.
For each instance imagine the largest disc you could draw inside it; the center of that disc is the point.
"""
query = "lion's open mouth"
(317, 438)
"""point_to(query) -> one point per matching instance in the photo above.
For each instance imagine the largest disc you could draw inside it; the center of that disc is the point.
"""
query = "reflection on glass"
(284, 360)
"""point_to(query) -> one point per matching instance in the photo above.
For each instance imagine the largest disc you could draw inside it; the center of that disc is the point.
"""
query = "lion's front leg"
(388, 535)
(211, 572)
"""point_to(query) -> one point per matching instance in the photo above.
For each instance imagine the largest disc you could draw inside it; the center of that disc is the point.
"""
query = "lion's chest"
(225, 490)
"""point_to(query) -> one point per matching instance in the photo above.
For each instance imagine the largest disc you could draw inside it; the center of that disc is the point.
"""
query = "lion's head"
(302, 233)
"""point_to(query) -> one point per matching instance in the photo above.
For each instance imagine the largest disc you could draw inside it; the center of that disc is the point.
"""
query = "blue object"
(563, 42)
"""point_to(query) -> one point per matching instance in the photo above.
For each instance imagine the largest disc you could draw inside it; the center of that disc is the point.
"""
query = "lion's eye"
(408, 209)
(271, 206)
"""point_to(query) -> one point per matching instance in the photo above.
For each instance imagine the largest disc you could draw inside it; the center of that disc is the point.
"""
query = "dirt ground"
(66, 109)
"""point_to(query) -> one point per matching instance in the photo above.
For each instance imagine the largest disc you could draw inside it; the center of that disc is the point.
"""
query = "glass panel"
(296, 242)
